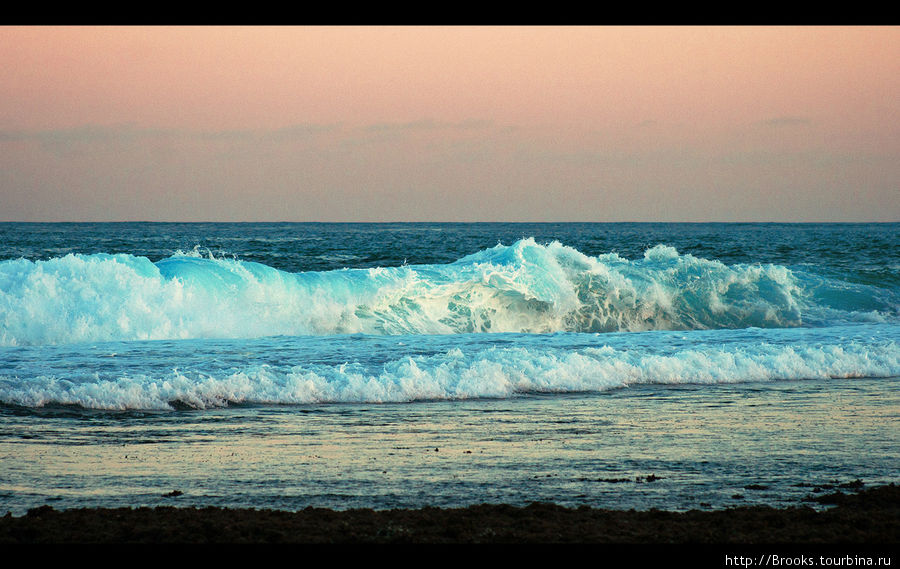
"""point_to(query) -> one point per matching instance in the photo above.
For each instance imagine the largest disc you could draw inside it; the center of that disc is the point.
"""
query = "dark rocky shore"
(870, 516)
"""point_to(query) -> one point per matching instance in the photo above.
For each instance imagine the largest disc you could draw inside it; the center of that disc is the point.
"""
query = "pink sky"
(450, 123)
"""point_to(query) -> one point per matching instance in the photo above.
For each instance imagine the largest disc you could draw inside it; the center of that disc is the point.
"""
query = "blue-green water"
(402, 365)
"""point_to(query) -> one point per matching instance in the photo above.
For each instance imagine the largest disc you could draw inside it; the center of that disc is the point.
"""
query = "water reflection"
(673, 447)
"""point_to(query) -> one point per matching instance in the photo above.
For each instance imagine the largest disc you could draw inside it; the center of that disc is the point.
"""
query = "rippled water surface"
(639, 366)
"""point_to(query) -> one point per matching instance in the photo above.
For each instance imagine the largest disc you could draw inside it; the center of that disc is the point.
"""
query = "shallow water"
(704, 444)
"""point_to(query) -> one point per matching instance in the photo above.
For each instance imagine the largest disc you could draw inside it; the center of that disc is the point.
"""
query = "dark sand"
(868, 517)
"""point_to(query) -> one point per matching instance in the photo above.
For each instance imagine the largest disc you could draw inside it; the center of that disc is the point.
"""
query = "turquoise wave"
(201, 374)
(526, 287)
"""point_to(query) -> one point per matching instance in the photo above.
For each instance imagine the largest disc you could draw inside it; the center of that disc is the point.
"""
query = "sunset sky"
(450, 123)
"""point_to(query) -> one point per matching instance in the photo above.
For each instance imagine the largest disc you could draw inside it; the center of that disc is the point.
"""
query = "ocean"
(674, 366)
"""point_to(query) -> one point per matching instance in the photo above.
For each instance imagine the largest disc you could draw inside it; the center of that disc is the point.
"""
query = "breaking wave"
(455, 373)
(525, 287)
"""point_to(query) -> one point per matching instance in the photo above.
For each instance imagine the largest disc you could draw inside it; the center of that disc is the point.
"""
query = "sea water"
(286, 365)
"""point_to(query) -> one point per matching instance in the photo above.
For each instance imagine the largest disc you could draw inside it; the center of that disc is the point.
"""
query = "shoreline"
(870, 516)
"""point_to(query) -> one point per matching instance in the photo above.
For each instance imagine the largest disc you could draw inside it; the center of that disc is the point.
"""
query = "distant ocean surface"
(286, 365)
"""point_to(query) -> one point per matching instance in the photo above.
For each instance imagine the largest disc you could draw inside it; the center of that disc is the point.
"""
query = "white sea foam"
(491, 372)
(524, 287)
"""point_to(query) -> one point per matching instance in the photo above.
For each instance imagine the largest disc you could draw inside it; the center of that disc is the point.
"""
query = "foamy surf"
(541, 370)
(366, 369)
(525, 287)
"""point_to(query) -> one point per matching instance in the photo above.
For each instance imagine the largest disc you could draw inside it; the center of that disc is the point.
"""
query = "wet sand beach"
(871, 516)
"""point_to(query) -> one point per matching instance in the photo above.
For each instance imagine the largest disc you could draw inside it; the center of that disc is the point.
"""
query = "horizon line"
(455, 222)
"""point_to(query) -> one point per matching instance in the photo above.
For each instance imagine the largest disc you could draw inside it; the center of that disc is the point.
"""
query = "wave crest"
(524, 287)
(455, 374)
